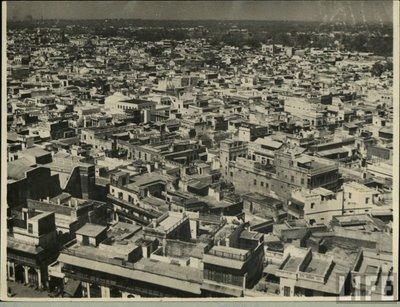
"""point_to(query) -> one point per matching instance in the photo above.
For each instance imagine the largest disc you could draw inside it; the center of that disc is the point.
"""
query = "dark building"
(31, 246)
(26, 180)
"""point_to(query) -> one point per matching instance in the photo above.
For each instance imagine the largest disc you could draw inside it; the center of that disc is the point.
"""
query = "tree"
(379, 68)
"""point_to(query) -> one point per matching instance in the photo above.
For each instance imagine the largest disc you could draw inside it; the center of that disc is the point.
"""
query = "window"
(30, 228)
(292, 178)
(312, 205)
(286, 291)
(367, 200)
(255, 182)
(266, 185)
(262, 183)
(302, 181)
(349, 195)
(11, 271)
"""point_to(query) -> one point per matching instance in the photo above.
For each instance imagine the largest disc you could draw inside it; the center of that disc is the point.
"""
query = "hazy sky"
(356, 11)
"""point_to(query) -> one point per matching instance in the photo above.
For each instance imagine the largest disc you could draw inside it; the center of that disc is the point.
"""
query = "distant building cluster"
(184, 169)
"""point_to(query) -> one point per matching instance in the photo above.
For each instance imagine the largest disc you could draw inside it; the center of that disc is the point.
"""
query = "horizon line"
(186, 20)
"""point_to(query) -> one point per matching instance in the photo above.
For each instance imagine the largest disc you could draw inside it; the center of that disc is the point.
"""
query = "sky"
(347, 11)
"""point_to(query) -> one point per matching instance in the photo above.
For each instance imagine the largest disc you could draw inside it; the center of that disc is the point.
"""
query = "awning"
(383, 212)
(304, 159)
(270, 269)
(334, 151)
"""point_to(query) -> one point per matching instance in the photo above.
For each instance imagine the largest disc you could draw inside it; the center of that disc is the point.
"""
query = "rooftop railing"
(99, 258)
(323, 169)
(240, 257)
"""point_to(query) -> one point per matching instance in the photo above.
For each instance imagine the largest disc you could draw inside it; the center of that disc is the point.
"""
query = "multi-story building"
(372, 274)
(307, 273)
(230, 150)
(75, 177)
(250, 176)
(26, 180)
(117, 264)
(233, 265)
(301, 170)
(119, 104)
(311, 112)
(263, 150)
(31, 246)
(250, 132)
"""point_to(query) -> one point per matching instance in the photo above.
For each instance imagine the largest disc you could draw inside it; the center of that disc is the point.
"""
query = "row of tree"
(375, 38)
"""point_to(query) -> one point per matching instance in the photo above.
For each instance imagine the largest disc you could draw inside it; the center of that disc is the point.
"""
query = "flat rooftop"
(170, 270)
(360, 187)
(16, 169)
(292, 264)
(145, 179)
(261, 199)
(317, 266)
(91, 230)
(170, 221)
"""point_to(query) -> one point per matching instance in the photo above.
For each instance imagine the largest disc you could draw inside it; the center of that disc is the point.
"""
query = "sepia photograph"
(200, 150)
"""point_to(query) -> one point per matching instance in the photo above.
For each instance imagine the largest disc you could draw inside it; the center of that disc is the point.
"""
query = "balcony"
(224, 278)
(322, 169)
